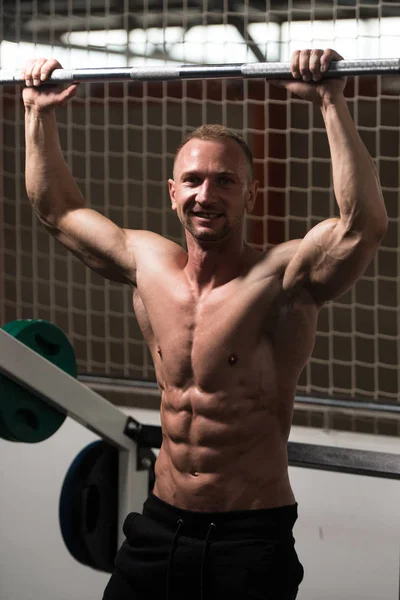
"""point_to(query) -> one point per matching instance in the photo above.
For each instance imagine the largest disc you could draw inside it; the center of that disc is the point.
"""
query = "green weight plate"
(4, 431)
(25, 417)
(46, 339)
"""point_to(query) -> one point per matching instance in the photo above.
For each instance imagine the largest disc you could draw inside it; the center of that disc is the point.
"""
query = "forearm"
(49, 182)
(355, 179)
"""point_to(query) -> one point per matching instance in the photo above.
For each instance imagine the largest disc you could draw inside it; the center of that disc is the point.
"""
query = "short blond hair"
(218, 133)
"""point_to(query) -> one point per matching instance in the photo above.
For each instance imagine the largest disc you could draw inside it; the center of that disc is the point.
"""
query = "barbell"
(265, 70)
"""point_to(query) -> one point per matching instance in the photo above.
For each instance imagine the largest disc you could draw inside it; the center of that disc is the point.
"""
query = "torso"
(227, 364)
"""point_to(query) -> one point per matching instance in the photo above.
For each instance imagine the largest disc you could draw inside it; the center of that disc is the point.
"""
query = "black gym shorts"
(177, 554)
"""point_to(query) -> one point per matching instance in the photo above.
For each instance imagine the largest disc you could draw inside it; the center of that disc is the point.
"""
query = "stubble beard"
(206, 235)
(209, 235)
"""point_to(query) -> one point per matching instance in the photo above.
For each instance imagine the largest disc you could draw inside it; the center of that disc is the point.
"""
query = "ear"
(171, 188)
(251, 195)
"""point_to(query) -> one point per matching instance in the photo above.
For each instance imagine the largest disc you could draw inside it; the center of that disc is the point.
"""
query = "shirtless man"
(230, 330)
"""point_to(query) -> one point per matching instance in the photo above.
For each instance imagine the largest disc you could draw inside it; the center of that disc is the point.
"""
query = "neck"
(211, 264)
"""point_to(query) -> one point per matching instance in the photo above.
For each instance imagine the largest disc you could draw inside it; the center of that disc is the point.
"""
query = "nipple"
(232, 359)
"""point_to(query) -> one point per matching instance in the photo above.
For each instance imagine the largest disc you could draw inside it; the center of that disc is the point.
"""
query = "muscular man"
(230, 330)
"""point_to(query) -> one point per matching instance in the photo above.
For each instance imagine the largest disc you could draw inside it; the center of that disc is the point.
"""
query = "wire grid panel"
(119, 140)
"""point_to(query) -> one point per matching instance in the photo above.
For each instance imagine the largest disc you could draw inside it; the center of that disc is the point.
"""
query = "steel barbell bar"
(265, 70)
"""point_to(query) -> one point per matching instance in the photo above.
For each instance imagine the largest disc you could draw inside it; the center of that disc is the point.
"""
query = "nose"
(206, 192)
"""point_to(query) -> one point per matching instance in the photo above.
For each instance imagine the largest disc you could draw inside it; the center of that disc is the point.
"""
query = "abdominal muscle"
(222, 453)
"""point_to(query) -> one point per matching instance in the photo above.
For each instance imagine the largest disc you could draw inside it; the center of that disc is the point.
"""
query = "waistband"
(266, 522)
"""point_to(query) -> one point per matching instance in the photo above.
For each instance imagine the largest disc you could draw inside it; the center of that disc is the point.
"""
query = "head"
(212, 185)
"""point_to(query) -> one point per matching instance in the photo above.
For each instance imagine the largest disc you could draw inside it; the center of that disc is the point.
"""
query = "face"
(211, 189)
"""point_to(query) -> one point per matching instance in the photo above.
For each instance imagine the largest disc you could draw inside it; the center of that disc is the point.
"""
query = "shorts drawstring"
(179, 524)
(211, 528)
(171, 555)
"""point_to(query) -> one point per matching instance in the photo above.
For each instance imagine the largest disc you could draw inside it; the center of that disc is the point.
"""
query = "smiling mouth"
(207, 215)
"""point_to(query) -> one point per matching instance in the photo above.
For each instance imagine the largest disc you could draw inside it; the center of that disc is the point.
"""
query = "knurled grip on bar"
(265, 70)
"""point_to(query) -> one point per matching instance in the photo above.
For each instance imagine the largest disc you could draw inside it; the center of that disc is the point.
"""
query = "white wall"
(34, 562)
(348, 531)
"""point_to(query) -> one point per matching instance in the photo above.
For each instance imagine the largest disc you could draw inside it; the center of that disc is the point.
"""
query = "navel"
(232, 359)
(159, 352)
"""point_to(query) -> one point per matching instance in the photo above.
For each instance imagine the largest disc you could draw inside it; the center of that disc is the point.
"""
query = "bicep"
(330, 259)
(98, 242)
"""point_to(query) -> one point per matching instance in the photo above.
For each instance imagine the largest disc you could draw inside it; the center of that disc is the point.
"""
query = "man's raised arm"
(336, 252)
(53, 192)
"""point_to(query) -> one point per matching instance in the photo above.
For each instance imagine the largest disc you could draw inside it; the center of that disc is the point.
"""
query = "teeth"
(207, 215)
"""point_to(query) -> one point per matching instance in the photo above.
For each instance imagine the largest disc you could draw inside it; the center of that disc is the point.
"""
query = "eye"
(192, 180)
(225, 180)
